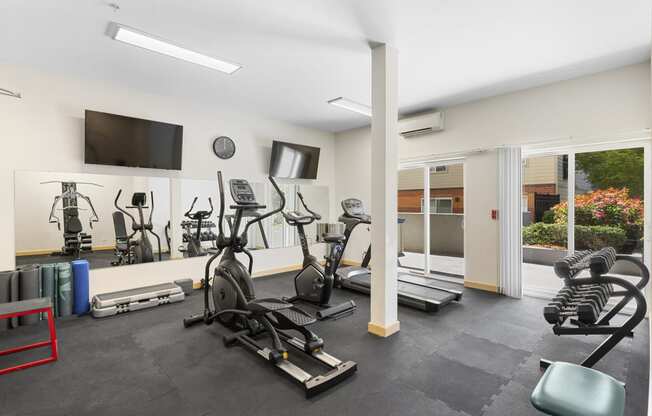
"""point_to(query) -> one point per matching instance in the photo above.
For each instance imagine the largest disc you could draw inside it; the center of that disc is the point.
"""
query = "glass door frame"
(427, 166)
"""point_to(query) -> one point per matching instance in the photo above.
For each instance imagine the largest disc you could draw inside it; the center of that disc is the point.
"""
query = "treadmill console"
(353, 208)
(241, 192)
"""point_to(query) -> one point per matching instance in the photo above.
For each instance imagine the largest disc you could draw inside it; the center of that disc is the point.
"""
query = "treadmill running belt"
(421, 297)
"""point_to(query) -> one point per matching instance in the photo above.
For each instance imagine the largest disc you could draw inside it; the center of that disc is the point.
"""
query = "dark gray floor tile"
(461, 387)
(485, 355)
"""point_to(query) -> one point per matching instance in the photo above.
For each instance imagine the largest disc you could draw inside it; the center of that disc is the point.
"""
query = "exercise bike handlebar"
(203, 214)
(187, 214)
(316, 216)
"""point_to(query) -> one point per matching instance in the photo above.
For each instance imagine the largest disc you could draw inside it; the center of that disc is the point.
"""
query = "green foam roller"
(65, 289)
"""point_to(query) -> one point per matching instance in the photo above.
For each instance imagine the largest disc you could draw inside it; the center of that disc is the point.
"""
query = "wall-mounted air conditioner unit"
(422, 124)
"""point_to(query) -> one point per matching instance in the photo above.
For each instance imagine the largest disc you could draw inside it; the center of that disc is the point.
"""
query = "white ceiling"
(299, 54)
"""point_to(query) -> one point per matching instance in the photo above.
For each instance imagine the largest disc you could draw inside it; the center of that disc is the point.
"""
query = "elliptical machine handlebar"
(115, 202)
(220, 184)
(270, 213)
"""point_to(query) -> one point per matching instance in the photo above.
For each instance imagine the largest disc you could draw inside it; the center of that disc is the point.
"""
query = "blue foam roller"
(65, 289)
(81, 304)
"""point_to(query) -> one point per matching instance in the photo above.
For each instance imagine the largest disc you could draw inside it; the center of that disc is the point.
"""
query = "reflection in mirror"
(283, 235)
(63, 216)
(199, 223)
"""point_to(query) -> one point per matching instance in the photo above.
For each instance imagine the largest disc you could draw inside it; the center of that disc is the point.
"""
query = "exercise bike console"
(353, 208)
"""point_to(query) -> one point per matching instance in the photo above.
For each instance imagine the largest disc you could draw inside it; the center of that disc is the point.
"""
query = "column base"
(383, 331)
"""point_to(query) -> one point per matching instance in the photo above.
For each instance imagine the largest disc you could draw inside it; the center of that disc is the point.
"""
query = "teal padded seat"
(572, 390)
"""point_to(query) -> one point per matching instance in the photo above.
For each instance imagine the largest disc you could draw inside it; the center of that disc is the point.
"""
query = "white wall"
(44, 131)
(603, 104)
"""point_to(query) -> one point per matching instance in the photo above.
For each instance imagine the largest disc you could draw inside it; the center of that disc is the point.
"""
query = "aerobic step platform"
(113, 303)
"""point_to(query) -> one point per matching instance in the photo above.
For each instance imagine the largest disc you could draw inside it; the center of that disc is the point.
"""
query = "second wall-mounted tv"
(294, 161)
(117, 140)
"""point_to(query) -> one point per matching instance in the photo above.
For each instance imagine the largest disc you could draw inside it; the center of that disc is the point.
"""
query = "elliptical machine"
(236, 307)
(128, 249)
(313, 283)
(193, 245)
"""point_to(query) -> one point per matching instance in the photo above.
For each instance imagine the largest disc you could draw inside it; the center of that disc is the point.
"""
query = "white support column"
(384, 178)
(426, 220)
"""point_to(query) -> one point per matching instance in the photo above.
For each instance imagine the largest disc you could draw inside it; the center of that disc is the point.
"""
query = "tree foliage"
(614, 169)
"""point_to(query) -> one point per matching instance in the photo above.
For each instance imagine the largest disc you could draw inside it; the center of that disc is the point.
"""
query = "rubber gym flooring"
(96, 259)
(476, 358)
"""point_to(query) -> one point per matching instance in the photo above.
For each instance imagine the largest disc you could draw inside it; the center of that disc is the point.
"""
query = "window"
(440, 205)
(524, 203)
(441, 169)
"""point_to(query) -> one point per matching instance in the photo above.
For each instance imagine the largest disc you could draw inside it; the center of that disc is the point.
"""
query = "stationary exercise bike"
(234, 303)
(128, 249)
(314, 283)
(194, 247)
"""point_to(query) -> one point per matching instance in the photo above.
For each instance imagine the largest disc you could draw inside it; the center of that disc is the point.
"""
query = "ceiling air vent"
(420, 125)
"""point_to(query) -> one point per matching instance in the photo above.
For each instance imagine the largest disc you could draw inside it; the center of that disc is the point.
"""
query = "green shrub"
(591, 237)
(548, 217)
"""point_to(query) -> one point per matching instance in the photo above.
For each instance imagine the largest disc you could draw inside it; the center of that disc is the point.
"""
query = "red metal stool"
(28, 307)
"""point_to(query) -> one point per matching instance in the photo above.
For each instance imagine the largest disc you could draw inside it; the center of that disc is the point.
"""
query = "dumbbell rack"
(190, 230)
(582, 300)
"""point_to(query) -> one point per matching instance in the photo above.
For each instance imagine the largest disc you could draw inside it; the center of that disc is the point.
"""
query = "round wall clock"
(224, 147)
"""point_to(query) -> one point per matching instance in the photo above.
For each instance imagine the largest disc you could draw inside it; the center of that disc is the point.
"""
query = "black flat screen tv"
(295, 161)
(117, 140)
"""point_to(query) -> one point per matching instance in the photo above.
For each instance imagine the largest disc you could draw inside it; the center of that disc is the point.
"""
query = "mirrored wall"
(64, 216)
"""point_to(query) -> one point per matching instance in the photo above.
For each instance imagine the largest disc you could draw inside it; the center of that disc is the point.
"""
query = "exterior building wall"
(410, 200)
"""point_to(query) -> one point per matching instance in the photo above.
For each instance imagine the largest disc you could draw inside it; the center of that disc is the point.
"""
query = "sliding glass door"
(431, 219)
(582, 198)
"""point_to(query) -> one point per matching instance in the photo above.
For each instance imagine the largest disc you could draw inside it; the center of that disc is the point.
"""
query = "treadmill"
(418, 292)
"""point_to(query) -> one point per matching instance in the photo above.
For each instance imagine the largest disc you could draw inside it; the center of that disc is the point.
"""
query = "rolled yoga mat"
(65, 289)
(15, 294)
(80, 287)
(48, 287)
(7, 278)
(29, 282)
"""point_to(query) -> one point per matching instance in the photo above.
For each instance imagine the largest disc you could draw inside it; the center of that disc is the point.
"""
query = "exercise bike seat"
(260, 306)
(334, 238)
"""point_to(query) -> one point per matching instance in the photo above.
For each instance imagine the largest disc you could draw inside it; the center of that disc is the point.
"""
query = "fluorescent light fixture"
(143, 40)
(351, 106)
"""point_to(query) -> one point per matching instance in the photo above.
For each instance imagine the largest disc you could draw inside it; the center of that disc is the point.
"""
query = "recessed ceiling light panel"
(146, 41)
(351, 105)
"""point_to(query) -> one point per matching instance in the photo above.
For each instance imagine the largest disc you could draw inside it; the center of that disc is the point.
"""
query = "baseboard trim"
(268, 272)
(346, 262)
(481, 286)
(42, 252)
(383, 331)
